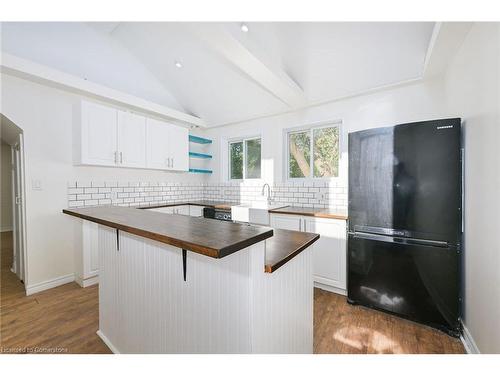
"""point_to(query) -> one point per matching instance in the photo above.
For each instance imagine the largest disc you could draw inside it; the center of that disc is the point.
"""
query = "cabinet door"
(196, 211)
(179, 148)
(329, 251)
(289, 222)
(182, 210)
(157, 135)
(131, 140)
(98, 134)
(90, 247)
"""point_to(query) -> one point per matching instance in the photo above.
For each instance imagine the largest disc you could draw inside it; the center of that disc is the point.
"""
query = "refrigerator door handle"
(404, 241)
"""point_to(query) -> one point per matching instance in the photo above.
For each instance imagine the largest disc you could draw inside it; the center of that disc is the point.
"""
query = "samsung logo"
(445, 127)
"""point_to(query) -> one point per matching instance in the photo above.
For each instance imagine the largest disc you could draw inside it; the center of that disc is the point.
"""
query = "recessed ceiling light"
(244, 27)
(178, 64)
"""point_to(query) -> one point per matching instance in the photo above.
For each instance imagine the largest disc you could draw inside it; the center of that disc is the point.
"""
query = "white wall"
(472, 86)
(412, 102)
(45, 115)
(6, 185)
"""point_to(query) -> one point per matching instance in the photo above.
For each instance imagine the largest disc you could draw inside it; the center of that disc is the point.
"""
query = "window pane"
(299, 145)
(236, 160)
(253, 158)
(326, 152)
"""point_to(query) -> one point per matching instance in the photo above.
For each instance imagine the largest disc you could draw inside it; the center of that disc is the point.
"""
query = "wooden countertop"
(213, 238)
(284, 245)
(205, 203)
(306, 211)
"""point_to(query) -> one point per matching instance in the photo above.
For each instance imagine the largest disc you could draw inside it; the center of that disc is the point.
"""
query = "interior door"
(179, 148)
(99, 134)
(329, 251)
(131, 139)
(414, 280)
(157, 145)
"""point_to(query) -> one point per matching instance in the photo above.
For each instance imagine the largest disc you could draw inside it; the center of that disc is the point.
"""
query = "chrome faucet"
(268, 191)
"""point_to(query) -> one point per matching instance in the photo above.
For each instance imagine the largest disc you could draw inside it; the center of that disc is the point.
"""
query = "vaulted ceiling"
(229, 75)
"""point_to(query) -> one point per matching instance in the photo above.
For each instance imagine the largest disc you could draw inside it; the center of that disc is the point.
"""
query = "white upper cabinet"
(157, 135)
(131, 140)
(108, 136)
(98, 135)
(167, 146)
(179, 148)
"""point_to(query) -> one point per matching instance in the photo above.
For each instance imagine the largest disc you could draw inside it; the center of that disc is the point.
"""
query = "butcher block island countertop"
(213, 238)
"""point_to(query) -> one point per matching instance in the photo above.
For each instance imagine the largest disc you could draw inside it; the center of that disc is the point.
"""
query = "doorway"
(13, 203)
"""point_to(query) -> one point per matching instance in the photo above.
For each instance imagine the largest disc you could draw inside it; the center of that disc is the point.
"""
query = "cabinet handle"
(121, 157)
(116, 157)
(172, 163)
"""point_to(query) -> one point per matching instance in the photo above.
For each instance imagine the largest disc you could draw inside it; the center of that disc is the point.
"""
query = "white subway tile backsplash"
(298, 193)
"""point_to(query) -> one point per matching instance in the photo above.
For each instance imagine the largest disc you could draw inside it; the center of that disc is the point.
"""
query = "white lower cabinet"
(87, 271)
(181, 210)
(290, 222)
(196, 211)
(330, 251)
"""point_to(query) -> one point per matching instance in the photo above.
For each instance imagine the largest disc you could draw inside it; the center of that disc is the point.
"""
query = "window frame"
(228, 151)
(310, 129)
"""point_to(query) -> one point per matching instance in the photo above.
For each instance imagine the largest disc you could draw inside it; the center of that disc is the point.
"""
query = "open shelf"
(199, 155)
(195, 170)
(195, 139)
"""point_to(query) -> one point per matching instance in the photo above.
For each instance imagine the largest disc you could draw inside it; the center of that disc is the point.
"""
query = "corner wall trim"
(49, 284)
(330, 288)
(468, 341)
(84, 283)
(107, 342)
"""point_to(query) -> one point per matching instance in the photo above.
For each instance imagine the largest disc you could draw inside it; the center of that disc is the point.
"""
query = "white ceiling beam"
(38, 73)
(275, 81)
(447, 37)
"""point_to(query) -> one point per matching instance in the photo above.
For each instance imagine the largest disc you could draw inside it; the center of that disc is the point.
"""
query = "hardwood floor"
(65, 319)
(61, 320)
(343, 328)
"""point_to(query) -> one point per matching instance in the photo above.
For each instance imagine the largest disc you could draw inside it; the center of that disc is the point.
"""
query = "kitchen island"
(180, 284)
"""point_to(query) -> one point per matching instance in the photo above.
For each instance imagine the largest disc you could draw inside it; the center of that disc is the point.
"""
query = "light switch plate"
(36, 184)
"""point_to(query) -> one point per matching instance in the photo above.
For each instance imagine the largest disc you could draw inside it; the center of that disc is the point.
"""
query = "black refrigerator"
(405, 221)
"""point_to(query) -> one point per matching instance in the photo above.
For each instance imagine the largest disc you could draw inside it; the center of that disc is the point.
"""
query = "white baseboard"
(468, 341)
(87, 282)
(107, 342)
(6, 229)
(330, 288)
(49, 284)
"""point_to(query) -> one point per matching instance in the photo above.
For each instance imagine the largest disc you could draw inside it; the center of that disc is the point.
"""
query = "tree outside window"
(318, 147)
(245, 159)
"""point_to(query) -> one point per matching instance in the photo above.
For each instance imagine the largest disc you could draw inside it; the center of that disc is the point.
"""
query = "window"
(244, 159)
(317, 147)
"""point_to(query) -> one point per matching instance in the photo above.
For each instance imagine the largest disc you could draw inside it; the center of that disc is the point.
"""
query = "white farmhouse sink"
(254, 213)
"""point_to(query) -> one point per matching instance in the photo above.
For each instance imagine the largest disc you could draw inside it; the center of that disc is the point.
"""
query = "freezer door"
(418, 281)
(407, 178)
